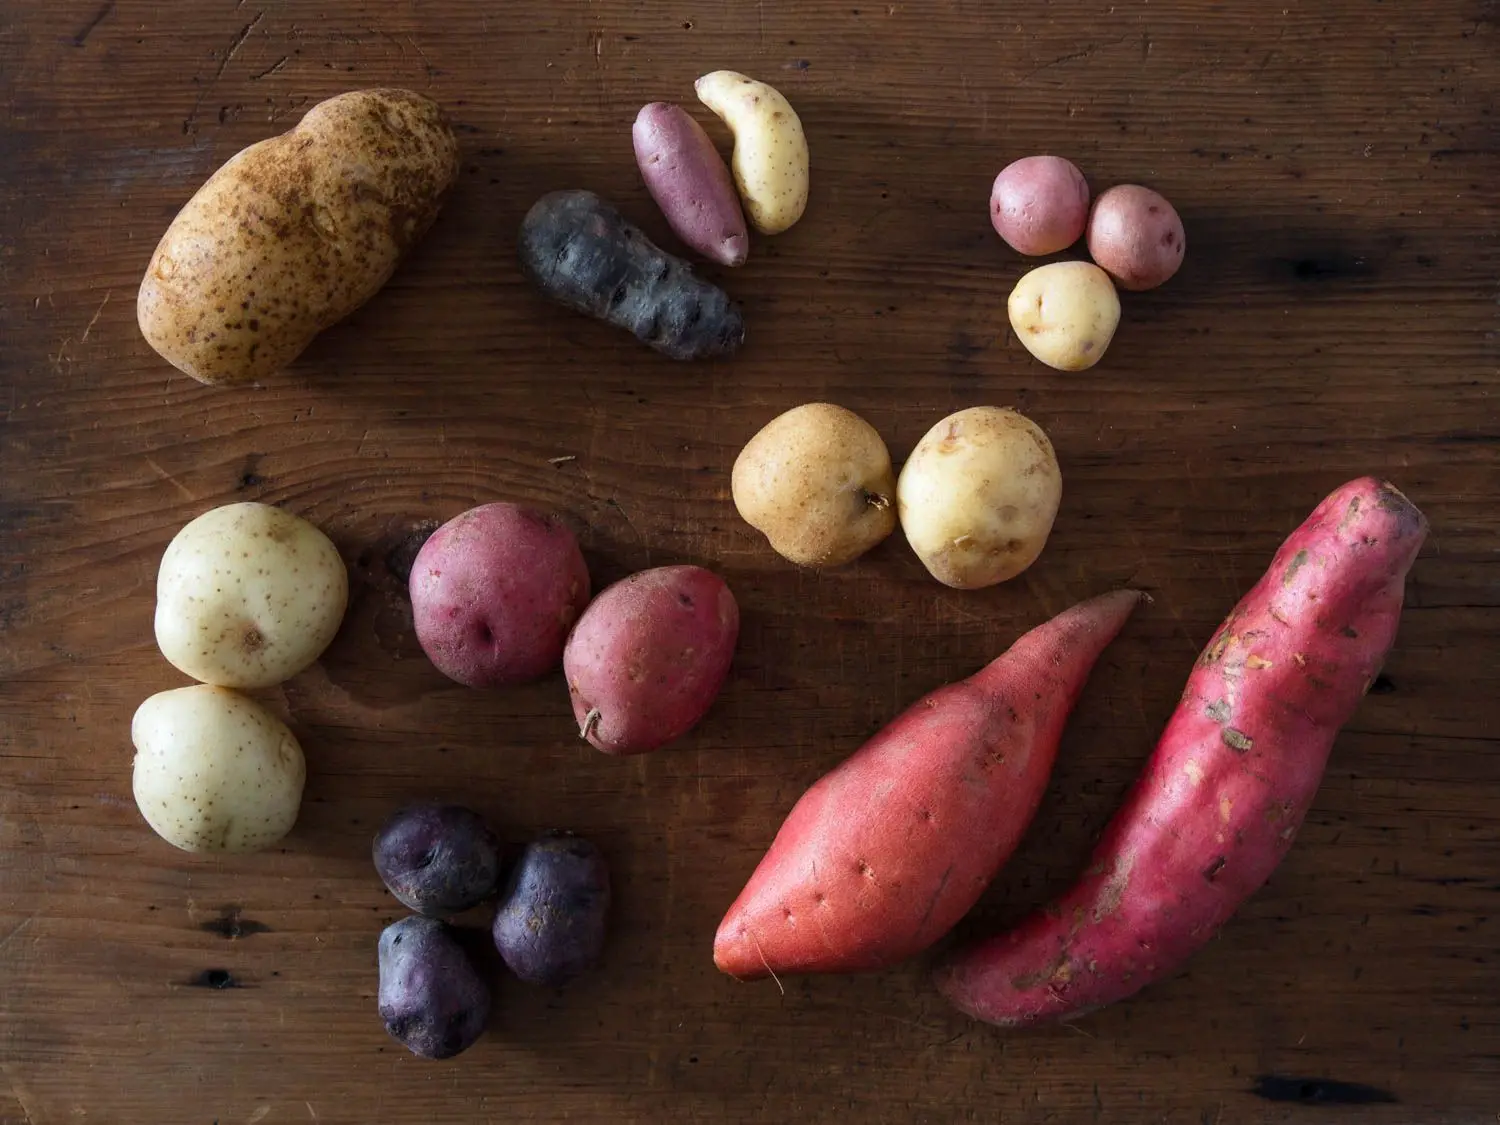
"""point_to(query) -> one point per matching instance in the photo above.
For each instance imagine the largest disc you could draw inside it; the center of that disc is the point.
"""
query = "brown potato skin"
(1136, 236)
(294, 233)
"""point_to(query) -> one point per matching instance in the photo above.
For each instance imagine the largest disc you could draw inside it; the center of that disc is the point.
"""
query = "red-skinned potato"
(494, 592)
(885, 853)
(1233, 775)
(648, 657)
(1039, 204)
(1136, 236)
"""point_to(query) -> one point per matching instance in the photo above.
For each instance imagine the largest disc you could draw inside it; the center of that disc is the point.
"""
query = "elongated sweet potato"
(582, 253)
(1230, 781)
(884, 854)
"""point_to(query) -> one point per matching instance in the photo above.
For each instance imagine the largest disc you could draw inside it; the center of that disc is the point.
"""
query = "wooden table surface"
(1336, 165)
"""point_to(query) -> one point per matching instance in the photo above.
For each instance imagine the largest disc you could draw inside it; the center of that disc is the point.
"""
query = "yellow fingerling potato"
(770, 149)
(294, 233)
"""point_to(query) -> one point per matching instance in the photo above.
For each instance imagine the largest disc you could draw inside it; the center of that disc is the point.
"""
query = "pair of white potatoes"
(247, 596)
(976, 499)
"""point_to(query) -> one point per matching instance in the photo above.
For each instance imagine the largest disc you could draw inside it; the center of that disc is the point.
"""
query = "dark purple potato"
(551, 921)
(431, 999)
(438, 859)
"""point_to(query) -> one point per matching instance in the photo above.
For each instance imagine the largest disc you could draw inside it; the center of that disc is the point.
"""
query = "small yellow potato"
(1065, 313)
(978, 496)
(817, 483)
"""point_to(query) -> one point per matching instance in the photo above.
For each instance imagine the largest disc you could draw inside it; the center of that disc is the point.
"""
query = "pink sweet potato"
(884, 854)
(1230, 781)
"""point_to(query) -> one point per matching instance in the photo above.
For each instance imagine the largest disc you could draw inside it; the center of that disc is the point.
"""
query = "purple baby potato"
(431, 998)
(438, 859)
(494, 592)
(551, 923)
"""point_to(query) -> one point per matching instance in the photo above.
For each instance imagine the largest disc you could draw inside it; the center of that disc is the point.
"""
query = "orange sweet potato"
(1230, 781)
(884, 854)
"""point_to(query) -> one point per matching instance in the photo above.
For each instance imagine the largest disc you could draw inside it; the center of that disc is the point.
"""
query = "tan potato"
(1065, 314)
(817, 482)
(215, 771)
(770, 161)
(978, 496)
(248, 595)
(294, 233)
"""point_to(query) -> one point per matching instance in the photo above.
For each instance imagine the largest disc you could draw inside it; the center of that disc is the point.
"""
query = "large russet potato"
(294, 233)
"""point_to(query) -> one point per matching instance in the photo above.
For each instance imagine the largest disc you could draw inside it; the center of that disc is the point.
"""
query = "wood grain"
(1336, 166)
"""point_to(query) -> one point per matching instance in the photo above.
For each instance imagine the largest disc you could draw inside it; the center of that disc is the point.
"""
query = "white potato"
(215, 771)
(248, 595)
(1065, 313)
(978, 496)
(770, 150)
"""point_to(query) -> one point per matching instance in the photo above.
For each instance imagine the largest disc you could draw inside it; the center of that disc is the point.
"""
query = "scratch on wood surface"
(166, 476)
(1073, 56)
(22, 925)
(234, 49)
(260, 1114)
(312, 1113)
(95, 318)
(426, 62)
(21, 1094)
(88, 29)
(272, 69)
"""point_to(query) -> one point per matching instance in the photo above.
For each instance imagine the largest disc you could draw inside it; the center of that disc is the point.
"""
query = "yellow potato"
(215, 771)
(294, 233)
(248, 595)
(1065, 313)
(817, 483)
(978, 496)
(770, 149)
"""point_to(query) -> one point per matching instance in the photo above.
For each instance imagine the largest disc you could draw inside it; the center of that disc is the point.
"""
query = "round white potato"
(215, 771)
(248, 595)
(1065, 313)
(817, 483)
(978, 496)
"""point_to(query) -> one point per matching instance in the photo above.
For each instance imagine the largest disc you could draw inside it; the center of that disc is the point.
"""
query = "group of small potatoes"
(580, 251)
(441, 860)
(976, 498)
(1065, 313)
(249, 595)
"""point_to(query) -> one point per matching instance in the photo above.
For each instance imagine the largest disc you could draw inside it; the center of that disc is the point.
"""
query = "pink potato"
(1230, 781)
(648, 657)
(494, 592)
(689, 181)
(1039, 204)
(1136, 236)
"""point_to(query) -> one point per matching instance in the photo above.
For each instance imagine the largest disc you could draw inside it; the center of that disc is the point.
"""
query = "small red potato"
(648, 657)
(1039, 204)
(1136, 236)
(494, 592)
